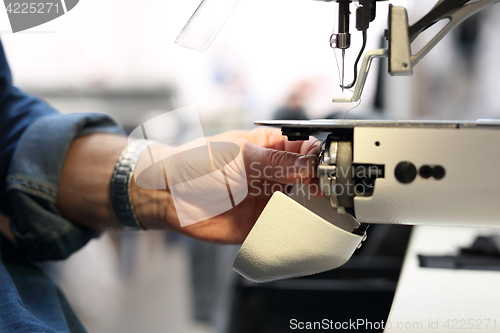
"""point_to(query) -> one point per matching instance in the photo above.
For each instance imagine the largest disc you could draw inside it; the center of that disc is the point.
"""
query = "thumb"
(277, 165)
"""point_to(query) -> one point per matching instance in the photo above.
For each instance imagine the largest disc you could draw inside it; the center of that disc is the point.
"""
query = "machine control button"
(405, 172)
(438, 172)
(425, 171)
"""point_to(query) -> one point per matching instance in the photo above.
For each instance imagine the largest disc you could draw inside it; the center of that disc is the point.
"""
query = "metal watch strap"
(120, 184)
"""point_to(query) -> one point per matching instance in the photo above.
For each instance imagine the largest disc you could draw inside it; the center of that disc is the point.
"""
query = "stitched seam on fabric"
(32, 191)
(36, 188)
(16, 176)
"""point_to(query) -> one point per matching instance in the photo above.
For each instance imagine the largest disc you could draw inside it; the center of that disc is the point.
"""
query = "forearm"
(84, 195)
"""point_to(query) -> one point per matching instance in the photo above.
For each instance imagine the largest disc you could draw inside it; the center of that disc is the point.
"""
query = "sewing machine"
(396, 172)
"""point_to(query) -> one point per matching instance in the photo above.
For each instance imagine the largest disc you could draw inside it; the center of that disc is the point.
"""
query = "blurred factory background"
(272, 60)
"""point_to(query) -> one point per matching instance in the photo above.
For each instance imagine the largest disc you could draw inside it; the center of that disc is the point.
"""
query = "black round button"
(438, 172)
(425, 171)
(405, 172)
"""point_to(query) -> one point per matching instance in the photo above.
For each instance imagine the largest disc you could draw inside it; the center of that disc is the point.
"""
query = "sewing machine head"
(399, 35)
(203, 27)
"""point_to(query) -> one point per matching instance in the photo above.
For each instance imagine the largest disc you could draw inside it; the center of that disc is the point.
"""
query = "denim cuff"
(33, 182)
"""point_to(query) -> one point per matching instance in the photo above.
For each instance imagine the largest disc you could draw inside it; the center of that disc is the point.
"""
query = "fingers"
(267, 137)
(279, 166)
(310, 147)
(266, 188)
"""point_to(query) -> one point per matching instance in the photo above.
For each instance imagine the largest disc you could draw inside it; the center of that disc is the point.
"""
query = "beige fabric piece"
(288, 240)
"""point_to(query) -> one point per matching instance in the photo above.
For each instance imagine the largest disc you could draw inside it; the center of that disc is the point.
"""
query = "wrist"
(120, 184)
(153, 208)
(151, 198)
(83, 195)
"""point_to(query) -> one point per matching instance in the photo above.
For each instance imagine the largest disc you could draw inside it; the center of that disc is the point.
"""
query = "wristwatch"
(120, 184)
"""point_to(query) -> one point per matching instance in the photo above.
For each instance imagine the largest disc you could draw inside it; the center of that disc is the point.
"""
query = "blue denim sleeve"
(17, 111)
(33, 181)
(34, 140)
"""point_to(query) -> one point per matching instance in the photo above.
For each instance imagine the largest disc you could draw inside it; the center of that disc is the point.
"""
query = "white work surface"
(444, 300)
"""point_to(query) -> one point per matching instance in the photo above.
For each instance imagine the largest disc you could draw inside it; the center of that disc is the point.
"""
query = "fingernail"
(304, 165)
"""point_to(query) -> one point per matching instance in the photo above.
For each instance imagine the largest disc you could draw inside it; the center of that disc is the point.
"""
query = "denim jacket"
(34, 140)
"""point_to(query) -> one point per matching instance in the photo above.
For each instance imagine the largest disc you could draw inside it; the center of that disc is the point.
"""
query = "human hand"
(271, 163)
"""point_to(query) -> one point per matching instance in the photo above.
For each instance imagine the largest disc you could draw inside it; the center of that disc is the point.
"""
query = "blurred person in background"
(294, 108)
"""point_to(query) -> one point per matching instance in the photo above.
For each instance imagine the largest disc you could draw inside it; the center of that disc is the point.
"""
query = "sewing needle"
(343, 59)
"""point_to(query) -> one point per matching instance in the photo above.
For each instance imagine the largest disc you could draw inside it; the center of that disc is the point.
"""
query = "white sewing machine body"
(466, 194)
(394, 172)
